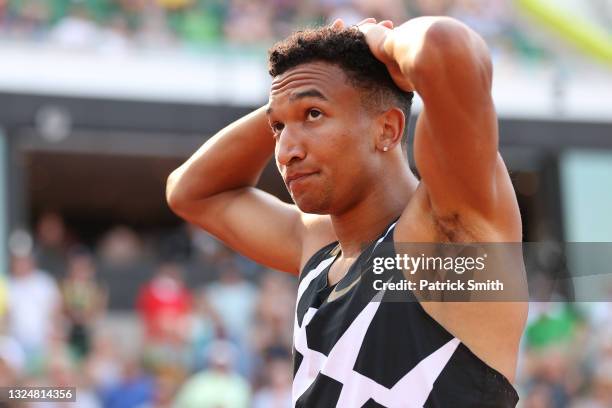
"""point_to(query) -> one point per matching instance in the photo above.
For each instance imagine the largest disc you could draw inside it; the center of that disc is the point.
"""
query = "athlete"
(336, 125)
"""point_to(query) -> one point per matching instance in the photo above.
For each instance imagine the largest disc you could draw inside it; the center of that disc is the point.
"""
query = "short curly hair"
(347, 49)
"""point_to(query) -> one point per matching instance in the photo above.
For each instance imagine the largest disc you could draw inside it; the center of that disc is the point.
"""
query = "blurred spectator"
(118, 26)
(599, 388)
(164, 303)
(83, 299)
(29, 19)
(175, 245)
(274, 312)
(199, 23)
(166, 387)
(34, 305)
(154, 30)
(219, 386)
(76, 30)
(538, 396)
(135, 389)
(249, 22)
(205, 326)
(51, 243)
(114, 39)
(235, 326)
(12, 361)
(61, 371)
(207, 247)
(602, 386)
(120, 246)
(103, 364)
(276, 392)
(550, 378)
(124, 263)
(551, 323)
(8, 376)
(233, 298)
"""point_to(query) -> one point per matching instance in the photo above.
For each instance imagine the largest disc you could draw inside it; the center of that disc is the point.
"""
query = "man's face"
(22, 265)
(322, 137)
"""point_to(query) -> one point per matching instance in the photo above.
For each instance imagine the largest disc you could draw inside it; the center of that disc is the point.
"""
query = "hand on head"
(376, 35)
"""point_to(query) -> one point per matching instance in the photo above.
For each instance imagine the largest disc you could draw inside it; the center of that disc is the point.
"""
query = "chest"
(339, 269)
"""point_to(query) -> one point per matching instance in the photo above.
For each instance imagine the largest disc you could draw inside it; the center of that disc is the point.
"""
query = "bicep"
(254, 223)
(456, 137)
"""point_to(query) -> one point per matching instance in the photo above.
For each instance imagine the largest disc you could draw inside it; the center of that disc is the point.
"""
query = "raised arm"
(456, 137)
(214, 189)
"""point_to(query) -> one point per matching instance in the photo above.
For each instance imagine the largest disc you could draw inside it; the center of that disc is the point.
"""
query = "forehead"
(330, 80)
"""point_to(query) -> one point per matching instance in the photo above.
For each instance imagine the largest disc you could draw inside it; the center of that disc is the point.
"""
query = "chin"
(311, 206)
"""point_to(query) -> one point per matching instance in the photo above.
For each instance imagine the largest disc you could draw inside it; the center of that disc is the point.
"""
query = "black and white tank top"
(353, 352)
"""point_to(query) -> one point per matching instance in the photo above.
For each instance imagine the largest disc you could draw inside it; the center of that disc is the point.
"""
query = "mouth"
(296, 178)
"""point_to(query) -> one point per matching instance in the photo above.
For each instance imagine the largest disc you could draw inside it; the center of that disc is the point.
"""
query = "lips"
(296, 177)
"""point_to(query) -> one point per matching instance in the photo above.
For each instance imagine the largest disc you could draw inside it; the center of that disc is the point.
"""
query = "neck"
(365, 221)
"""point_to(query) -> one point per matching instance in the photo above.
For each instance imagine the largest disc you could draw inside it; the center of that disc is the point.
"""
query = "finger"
(386, 23)
(367, 20)
(366, 27)
(338, 24)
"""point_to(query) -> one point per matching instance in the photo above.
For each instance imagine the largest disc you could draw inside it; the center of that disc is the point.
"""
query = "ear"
(391, 128)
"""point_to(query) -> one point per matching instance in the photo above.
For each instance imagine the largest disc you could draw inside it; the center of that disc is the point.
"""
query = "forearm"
(233, 158)
(435, 52)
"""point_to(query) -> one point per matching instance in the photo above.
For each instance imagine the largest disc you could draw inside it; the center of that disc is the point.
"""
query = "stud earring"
(385, 148)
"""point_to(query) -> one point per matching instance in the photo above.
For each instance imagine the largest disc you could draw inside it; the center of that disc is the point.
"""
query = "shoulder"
(316, 259)
(318, 236)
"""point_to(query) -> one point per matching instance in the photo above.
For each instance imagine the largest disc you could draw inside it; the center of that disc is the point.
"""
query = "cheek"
(339, 145)
(348, 158)
(358, 133)
(355, 159)
(355, 147)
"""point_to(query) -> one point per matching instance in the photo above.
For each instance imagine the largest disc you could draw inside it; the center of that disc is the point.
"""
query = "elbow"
(450, 38)
(173, 197)
(452, 50)
(182, 199)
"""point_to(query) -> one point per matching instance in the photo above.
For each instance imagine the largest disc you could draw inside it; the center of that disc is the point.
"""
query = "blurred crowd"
(176, 319)
(566, 356)
(121, 25)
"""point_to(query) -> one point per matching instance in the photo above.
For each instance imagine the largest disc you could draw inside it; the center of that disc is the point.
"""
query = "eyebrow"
(309, 93)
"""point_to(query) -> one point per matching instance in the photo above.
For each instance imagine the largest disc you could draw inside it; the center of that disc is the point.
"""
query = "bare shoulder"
(317, 232)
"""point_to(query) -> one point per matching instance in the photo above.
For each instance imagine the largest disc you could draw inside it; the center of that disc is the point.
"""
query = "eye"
(313, 114)
(277, 127)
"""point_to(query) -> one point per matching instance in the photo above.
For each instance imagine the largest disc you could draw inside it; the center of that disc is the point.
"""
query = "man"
(34, 304)
(336, 123)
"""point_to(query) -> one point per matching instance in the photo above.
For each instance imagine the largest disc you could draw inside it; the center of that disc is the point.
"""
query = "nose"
(289, 147)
